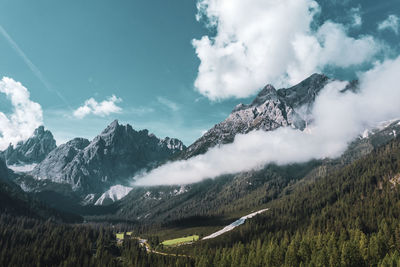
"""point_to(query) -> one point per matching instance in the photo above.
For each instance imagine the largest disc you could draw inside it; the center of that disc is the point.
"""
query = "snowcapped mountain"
(109, 159)
(270, 110)
(31, 151)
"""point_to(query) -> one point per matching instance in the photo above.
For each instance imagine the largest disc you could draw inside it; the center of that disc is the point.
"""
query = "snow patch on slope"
(384, 124)
(234, 224)
(115, 193)
(89, 199)
(365, 134)
(25, 187)
(379, 127)
(22, 168)
(181, 191)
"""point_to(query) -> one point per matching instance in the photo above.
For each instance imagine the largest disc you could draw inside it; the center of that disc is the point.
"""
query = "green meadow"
(180, 240)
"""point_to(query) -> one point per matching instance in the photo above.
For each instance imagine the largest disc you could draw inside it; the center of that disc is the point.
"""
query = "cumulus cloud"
(338, 119)
(391, 23)
(25, 117)
(104, 108)
(168, 103)
(270, 41)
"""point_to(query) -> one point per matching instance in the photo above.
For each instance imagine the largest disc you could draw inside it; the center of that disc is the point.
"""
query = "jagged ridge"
(33, 150)
(109, 159)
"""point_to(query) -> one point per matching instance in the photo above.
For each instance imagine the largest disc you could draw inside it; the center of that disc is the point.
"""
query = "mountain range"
(112, 157)
(99, 172)
(86, 170)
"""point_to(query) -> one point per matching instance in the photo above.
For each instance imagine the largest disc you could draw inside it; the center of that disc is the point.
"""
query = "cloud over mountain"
(24, 118)
(338, 118)
(270, 41)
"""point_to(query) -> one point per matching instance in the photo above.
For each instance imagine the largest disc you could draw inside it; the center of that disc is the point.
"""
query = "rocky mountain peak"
(39, 131)
(269, 110)
(114, 135)
(174, 144)
(267, 93)
(111, 128)
(33, 150)
(304, 92)
(110, 158)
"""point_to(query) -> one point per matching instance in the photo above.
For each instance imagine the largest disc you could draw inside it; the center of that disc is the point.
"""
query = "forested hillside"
(32, 242)
(349, 218)
(17, 202)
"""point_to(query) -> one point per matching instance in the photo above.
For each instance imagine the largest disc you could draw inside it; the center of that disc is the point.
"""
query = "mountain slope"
(14, 201)
(31, 151)
(239, 193)
(347, 218)
(53, 165)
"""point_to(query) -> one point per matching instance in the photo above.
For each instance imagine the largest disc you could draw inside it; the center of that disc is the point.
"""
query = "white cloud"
(26, 115)
(338, 119)
(168, 103)
(270, 41)
(390, 23)
(104, 108)
(355, 14)
(329, 46)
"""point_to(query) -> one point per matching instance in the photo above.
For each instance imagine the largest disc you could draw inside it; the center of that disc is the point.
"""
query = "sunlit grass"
(181, 240)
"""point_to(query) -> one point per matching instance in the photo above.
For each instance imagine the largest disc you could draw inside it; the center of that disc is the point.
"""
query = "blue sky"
(142, 53)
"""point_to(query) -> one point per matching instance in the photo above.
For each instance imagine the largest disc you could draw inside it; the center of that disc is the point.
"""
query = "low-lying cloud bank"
(24, 118)
(338, 119)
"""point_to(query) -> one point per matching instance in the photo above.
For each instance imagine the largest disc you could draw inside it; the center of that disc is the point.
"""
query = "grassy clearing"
(120, 236)
(182, 240)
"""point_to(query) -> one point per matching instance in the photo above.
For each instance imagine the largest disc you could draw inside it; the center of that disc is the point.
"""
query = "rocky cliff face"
(33, 150)
(54, 164)
(271, 109)
(109, 159)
